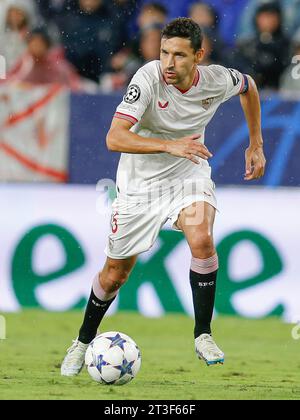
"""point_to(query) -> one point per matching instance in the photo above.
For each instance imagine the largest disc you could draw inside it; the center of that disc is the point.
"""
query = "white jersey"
(159, 110)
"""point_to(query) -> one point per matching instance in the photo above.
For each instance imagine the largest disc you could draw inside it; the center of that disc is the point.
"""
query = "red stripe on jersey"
(195, 83)
(243, 86)
(197, 78)
(126, 117)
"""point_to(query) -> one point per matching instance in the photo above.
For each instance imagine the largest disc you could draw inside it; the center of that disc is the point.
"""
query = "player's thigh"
(197, 222)
(134, 229)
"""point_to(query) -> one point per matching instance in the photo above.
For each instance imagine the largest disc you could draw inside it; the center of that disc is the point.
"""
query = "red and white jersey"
(159, 110)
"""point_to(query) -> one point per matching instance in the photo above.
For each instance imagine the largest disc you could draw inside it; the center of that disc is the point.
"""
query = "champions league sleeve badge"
(133, 94)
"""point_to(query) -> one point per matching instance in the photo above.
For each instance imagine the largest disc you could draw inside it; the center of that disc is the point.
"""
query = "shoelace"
(73, 357)
(73, 347)
(212, 347)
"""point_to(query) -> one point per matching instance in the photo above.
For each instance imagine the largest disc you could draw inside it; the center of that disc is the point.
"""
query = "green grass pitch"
(262, 359)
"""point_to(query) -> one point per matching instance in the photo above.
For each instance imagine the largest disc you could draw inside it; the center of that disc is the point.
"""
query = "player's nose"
(170, 63)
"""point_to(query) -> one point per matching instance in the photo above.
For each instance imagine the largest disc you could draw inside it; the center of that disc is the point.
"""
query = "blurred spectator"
(149, 50)
(20, 18)
(5, 4)
(122, 9)
(291, 17)
(266, 54)
(150, 43)
(290, 80)
(53, 12)
(150, 14)
(211, 54)
(229, 12)
(42, 64)
(174, 8)
(151, 19)
(154, 11)
(51, 9)
(91, 34)
(207, 17)
(3, 11)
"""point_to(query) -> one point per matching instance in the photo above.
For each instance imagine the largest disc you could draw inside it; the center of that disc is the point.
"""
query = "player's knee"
(202, 245)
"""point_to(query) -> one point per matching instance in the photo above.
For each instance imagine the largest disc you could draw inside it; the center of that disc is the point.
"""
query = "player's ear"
(199, 55)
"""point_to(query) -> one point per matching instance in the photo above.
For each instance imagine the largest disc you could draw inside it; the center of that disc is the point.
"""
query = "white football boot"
(208, 351)
(74, 360)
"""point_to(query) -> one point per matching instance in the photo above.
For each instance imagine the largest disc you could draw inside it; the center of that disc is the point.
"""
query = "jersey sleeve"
(136, 100)
(236, 83)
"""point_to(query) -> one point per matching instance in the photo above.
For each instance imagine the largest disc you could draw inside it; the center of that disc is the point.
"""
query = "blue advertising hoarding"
(226, 137)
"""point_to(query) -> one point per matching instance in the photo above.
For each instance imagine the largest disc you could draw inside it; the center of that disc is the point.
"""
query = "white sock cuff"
(100, 293)
(205, 266)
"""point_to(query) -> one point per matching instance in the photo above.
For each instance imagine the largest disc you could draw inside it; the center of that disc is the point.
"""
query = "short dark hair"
(184, 28)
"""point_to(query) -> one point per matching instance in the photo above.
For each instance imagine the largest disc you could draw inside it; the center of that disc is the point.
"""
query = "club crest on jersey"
(206, 103)
(133, 94)
(163, 105)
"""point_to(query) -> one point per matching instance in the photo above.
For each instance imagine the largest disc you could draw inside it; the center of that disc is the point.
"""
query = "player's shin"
(203, 278)
(98, 304)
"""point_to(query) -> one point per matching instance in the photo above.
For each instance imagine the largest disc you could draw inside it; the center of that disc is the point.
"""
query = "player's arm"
(121, 139)
(254, 155)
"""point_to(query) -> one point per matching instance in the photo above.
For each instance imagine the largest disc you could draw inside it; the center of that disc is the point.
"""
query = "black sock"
(204, 291)
(95, 311)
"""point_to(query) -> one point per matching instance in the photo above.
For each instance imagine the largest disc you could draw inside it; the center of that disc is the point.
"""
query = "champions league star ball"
(113, 358)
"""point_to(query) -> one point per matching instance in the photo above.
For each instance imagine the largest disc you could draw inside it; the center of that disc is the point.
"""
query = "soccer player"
(164, 175)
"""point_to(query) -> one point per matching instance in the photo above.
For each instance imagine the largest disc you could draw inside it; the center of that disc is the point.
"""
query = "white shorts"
(137, 221)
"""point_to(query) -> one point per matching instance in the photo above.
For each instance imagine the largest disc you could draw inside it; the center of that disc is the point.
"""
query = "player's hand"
(189, 148)
(255, 163)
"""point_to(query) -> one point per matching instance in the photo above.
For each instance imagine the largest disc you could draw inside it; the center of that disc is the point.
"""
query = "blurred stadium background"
(64, 66)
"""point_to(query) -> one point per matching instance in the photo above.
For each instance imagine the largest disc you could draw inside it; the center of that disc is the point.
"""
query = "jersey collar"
(195, 82)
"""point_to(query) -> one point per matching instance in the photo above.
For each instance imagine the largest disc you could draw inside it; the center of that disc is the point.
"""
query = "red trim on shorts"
(126, 117)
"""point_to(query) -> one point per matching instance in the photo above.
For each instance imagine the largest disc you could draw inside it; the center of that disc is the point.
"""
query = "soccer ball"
(113, 358)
